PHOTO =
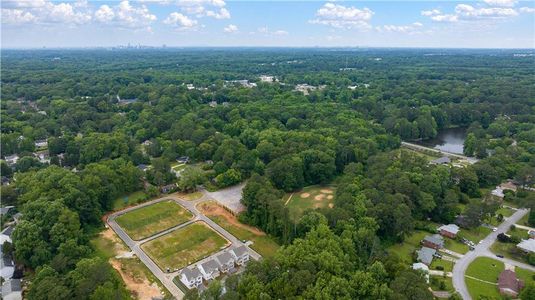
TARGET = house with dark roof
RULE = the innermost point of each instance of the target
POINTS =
(12, 289)
(434, 241)
(5, 236)
(166, 189)
(449, 230)
(241, 255)
(509, 284)
(210, 269)
(191, 278)
(226, 262)
(7, 267)
(425, 255)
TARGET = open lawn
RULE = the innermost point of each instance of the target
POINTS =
(506, 212)
(184, 246)
(310, 197)
(406, 249)
(128, 200)
(440, 283)
(508, 250)
(525, 275)
(149, 220)
(455, 246)
(487, 269)
(475, 234)
(190, 196)
(262, 243)
(446, 265)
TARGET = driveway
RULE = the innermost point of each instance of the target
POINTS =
(482, 249)
(167, 278)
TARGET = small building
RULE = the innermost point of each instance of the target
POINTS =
(190, 86)
(143, 167)
(41, 143)
(241, 255)
(425, 255)
(210, 269)
(12, 289)
(498, 192)
(422, 268)
(509, 284)
(434, 241)
(191, 278)
(226, 262)
(166, 189)
(212, 104)
(42, 156)
(4, 210)
(183, 159)
(449, 230)
(11, 159)
(444, 160)
(527, 246)
(5, 236)
(7, 267)
(531, 234)
(266, 78)
(5, 180)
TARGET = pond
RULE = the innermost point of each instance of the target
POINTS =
(449, 140)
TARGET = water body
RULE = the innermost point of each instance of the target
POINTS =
(449, 140)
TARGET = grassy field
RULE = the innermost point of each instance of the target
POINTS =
(184, 246)
(130, 199)
(486, 269)
(406, 249)
(455, 246)
(190, 196)
(525, 275)
(475, 234)
(446, 265)
(149, 220)
(506, 212)
(310, 197)
(436, 286)
(262, 243)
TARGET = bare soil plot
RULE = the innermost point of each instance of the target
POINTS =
(184, 246)
(149, 220)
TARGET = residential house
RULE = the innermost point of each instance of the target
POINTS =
(210, 269)
(422, 268)
(226, 262)
(7, 267)
(449, 230)
(42, 156)
(41, 143)
(166, 189)
(12, 289)
(266, 78)
(5, 236)
(527, 246)
(143, 167)
(5, 180)
(509, 284)
(11, 159)
(4, 210)
(183, 159)
(498, 192)
(190, 86)
(212, 104)
(434, 241)
(241, 255)
(425, 255)
(444, 160)
(191, 278)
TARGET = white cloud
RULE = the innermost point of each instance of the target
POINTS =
(204, 8)
(340, 16)
(126, 15)
(180, 21)
(231, 28)
(505, 3)
(222, 14)
(412, 28)
(445, 18)
(280, 32)
(45, 12)
(469, 11)
(429, 13)
(527, 10)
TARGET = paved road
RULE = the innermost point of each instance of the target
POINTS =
(471, 160)
(482, 249)
(167, 278)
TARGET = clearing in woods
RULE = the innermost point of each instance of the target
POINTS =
(149, 220)
(310, 197)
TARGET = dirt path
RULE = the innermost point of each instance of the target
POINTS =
(289, 198)
(142, 289)
(212, 209)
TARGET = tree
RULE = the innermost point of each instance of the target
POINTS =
(470, 144)
(228, 178)
(286, 173)
(528, 293)
(190, 177)
(410, 285)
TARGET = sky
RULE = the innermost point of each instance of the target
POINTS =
(222, 23)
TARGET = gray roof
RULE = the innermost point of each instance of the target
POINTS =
(527, 245)
(239, 251)
(225, 257)
(210, 265)
(436, 239)
(5, 210)
(10, 286)
(191, 273)
(450, 228)
(425, 255)
(442, 160)
(7, 262)
(8, 230)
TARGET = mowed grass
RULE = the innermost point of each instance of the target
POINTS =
(184, 246)
(310, 197)
(487, 269)
(149, 220)
(262, 243)
(406, 249)
(475, 234)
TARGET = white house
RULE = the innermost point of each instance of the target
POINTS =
(5, 236)
(226, 262)
(241, 255)
(11, 159)
(41, 143)
(423, 268)
(191, 278)
(209, 269)
(527, 245)
(12, 289)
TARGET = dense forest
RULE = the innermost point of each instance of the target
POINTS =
(105, 112)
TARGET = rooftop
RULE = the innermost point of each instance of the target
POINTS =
(425, 255)
(527, 245)
(450, 228)
(442, 160)
(224, 257)
(191, 273)
(436, 239)
(508, 280)
(239, 251)
(210, 265)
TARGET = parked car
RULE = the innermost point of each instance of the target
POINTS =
(499, 255)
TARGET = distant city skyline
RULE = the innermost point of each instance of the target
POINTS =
(219, 23)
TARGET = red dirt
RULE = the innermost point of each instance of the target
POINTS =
(212, 209)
